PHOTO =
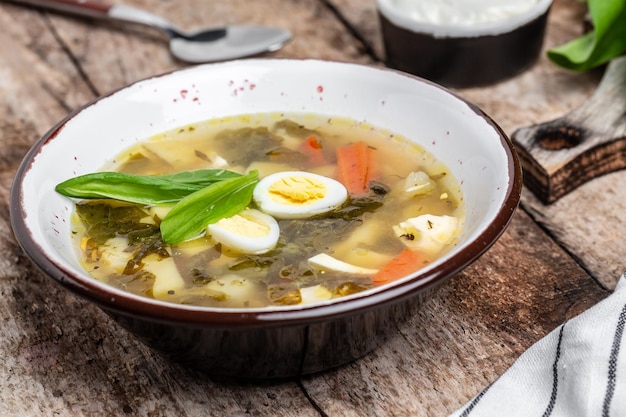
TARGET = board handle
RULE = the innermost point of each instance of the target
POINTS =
(560, 155)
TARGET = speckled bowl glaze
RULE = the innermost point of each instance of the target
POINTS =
(463, 56)
(269, 342)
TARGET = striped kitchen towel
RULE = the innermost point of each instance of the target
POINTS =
(579, 369)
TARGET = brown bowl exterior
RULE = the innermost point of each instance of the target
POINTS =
(277, 351)
(462, 62)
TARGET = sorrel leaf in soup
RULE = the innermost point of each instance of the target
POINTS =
(141, 189)
(194, 213)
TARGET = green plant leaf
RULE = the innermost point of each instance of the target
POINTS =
(191, 215)
(142, 189)
(605, 42)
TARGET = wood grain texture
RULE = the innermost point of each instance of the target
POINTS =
(62, 356)
(590, 141)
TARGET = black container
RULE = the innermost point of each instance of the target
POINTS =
(464, 60)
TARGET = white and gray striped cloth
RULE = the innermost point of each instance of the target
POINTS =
(579, 369)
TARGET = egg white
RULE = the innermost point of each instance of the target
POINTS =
(324, 262)
(273, 194)
(250, 232)
(429, 233)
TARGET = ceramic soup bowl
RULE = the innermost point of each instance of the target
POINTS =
(282, 341)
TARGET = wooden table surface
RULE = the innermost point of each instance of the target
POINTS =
(62, 356)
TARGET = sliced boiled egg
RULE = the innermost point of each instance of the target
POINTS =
(250, 232)
(428, 232)
(298, 194)
(324, 262)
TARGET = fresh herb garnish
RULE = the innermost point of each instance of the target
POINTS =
(191, 215)
(142, 189)
(606, 41)
(199, 197)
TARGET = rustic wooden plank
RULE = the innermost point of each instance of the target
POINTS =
(38, 84)
(62, 356)
(361, 17)
(590, 223)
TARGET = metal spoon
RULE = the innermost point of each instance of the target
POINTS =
(209, 45)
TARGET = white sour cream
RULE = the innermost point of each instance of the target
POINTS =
(462, 18)
(463, 12)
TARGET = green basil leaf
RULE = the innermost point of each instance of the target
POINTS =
(605, 42)
(194, 213)
(142, 189)
(201, 177)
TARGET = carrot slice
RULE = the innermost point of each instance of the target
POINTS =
(312, 148)
(354, 167)
(401, 265)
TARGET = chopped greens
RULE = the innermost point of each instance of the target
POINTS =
(228, 144)
(105, 222)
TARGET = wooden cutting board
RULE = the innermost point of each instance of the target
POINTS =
(590, 141)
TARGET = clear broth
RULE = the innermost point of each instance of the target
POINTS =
(218, 277)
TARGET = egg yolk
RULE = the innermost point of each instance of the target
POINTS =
(297, 190)
(245, 226)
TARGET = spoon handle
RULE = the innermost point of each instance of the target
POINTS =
(102, 10)
(90, 8)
